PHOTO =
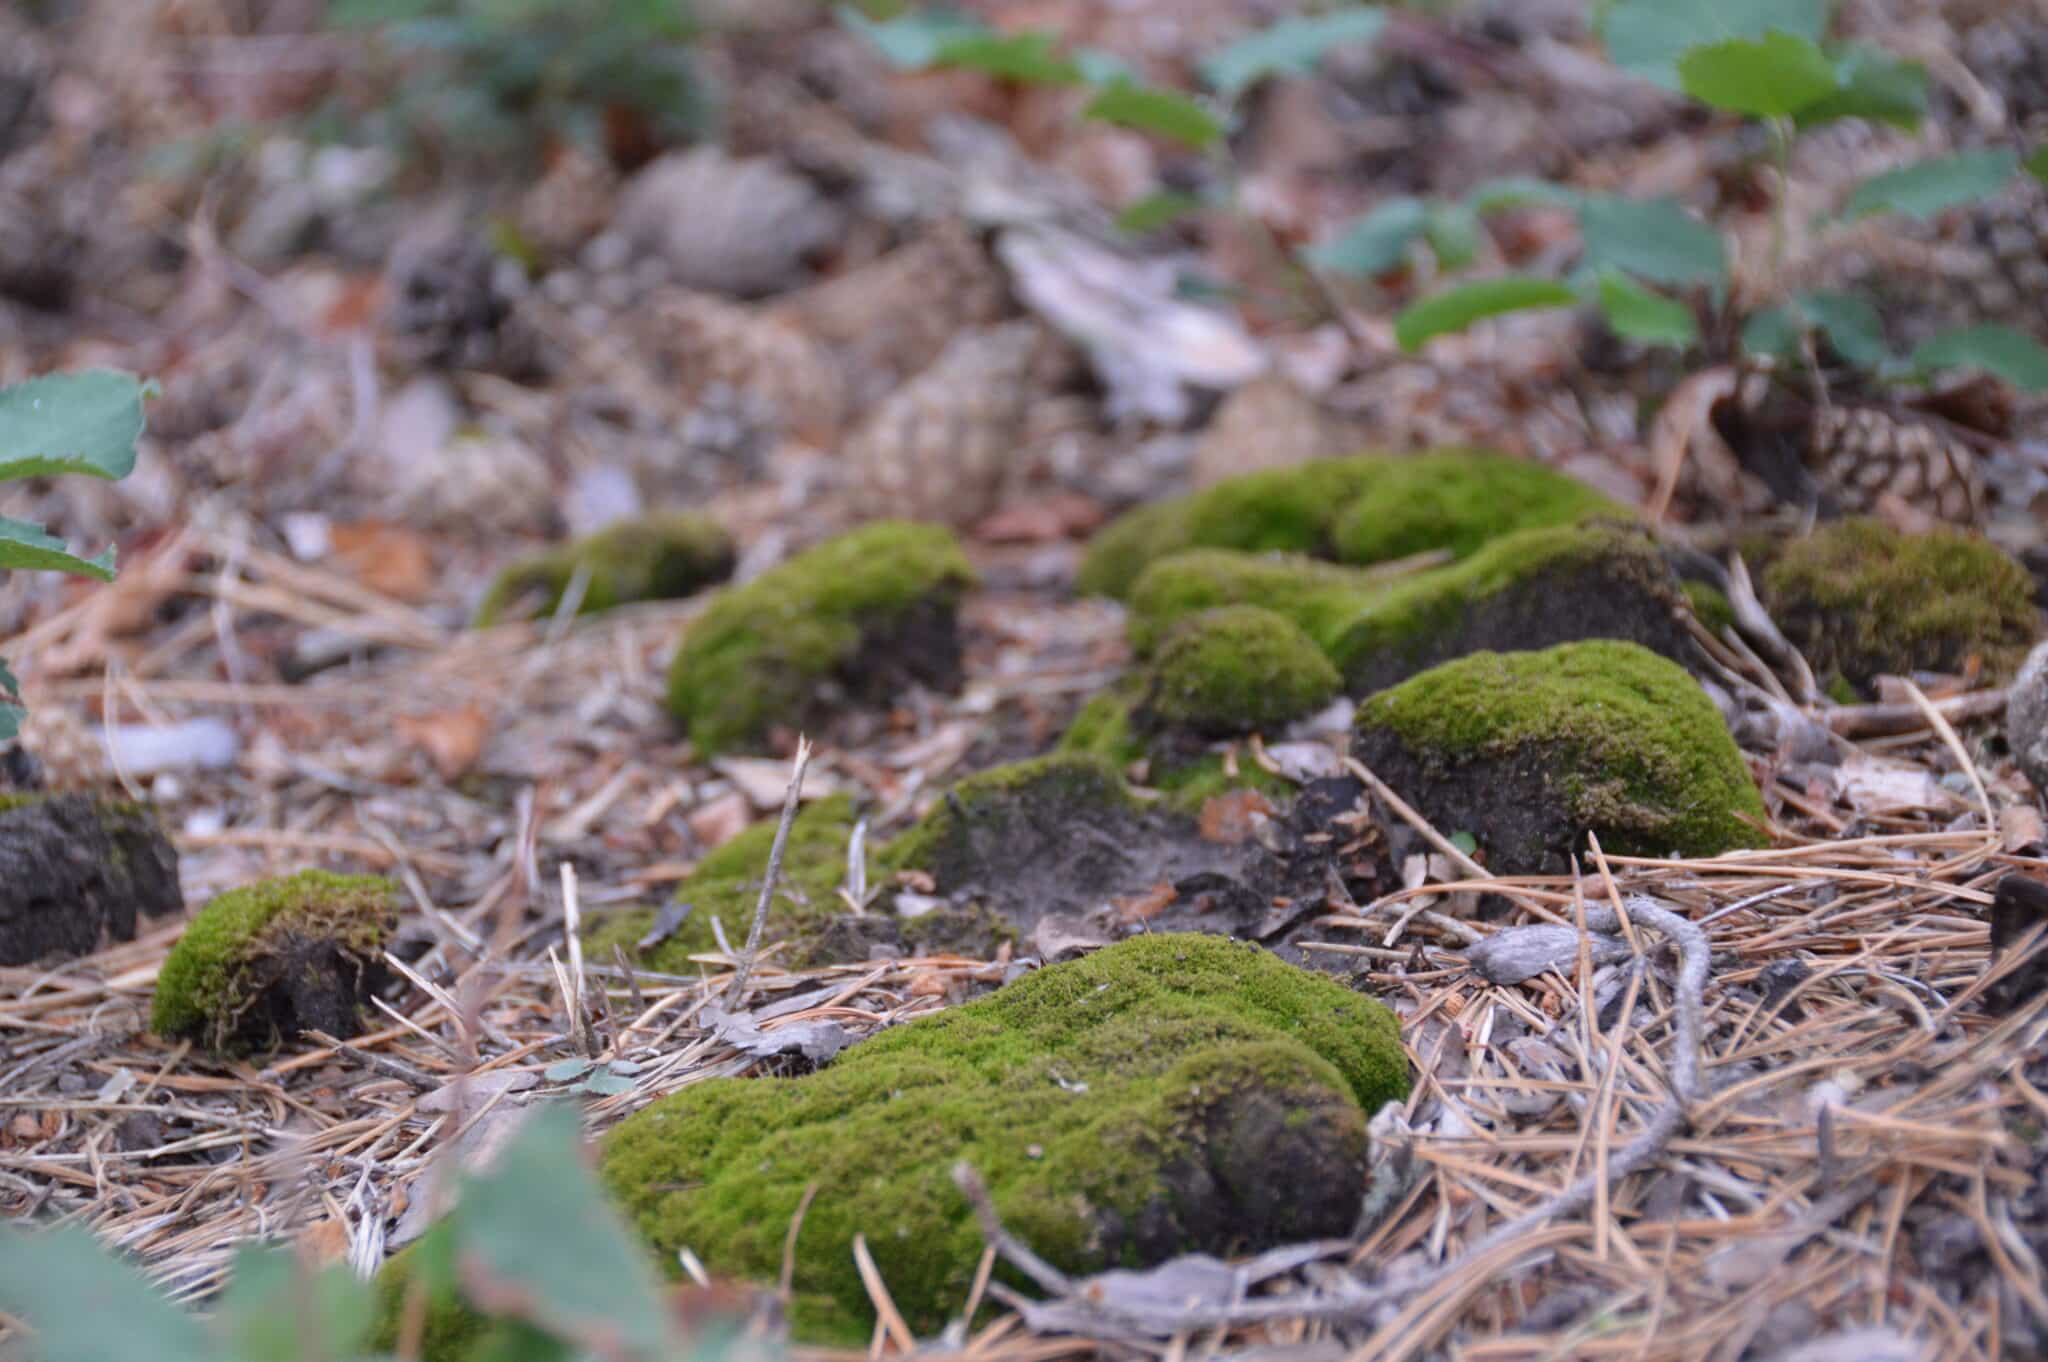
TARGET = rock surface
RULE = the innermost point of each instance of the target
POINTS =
(2026, 720)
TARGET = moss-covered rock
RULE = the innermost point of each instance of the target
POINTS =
(1012, 815)
(78, 872)
(1170, 1094)
(1528, 590)
(262, 963)
(1185, 768)
(727, 884)
(855, 619)
(660, 557)
(1321, 599)
(1363, 509)
(1460, 500)
(1861, 599)
(1237, 669)
(1529, 751)
(858, 619)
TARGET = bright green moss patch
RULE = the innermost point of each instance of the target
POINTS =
(1529, 751)
(727, 884)
(1319, 598)
(1168, 1094)
(1459, 499)
(260, 963)
(864, 615)
(661, 557)
(1530, 589)
(1122, 549)
(1237, 669)
(1860, 599)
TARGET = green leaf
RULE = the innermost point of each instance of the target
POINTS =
(1154, 211)
(86, 1305)
(1930, 187)
(11, 714)
(1376, 243)
(1457, 308)
(1641, 315)
(1848, 321)
(1454, 232)
(1774, 76)
(1289, 47)
(262, 1312)
(1516, 191)
(606, 1084)
(32, 548)
(1150, 109)
(537, 1239)
(2037, 164)
(1872, 84)
(71, 423)
(1654, 238)
(910, 41)
(1649, 37)
(2017, 358)
(562, 1070)
(1027, 58)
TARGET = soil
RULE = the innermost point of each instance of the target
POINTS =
(77, 873)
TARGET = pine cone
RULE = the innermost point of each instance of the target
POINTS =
(889, 320)
(703, 344)
(2009, 54)
(568, 205)
(454, 305)
(941, 446)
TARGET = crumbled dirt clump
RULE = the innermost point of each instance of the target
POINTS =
(77, 872)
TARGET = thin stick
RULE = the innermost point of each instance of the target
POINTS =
(1940, 724)
(738, 990)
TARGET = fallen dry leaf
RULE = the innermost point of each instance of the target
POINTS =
(723, 819)
(1149, 904)
(1041, 520)
(389, 559)
(1232, 818)
(451, 738)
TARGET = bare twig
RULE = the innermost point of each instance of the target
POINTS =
(737, 993)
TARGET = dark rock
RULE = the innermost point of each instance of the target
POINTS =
(2017, 907)
(77, 873)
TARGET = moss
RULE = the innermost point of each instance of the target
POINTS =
(1530, 589)
(727, 884)
(1710, 605)
(1459, 499)
(1619, 740)
(1122, 549)
(212, 978)
(660, 557)
(1320, 598)
(1237, 669)
(1080, 1093)
(1860, 599)
(1064, 785)
(762, 653)
(1188, 777)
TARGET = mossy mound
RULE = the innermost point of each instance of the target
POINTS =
(1527, 590)
(727, 884)
(857, 619)
(1363, 509)
(78, 872)
(1012, 813)
(1237, 669)
(1529, 751)
(1860, 599)
(662, 557)
(262, 963)
(1169, 1094)
(1459, 499)
(1321, 599)
(1182, 766)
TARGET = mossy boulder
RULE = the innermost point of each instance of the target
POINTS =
(1237, 669)
(856, 619)
(1320, 599)
(1527, 590)
(264, 962)
(726, 885)
(1527, 752)
(660, 557)
(1363, 509)
(1170, 1094)
(1861, 599)
(78, 872)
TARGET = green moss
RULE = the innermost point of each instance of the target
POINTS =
(660, 557)
(1121, 549)
(1187, 776)
(1623, 739)
(1860, 599)
(1459, 499)
(727, 884)
(1563, 577)
(1710, 604)
(1237, 669)
(1069, 1091)
(985, 804)
(761, 652)
(208, 980)
(1319, 598)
